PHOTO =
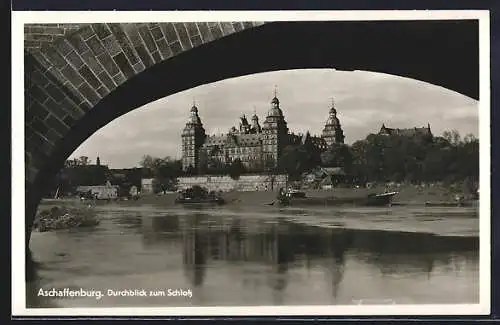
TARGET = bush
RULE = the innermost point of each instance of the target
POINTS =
(65, 218)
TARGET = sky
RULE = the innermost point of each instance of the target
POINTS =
(364, 100)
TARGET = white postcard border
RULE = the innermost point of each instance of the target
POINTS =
(19, 18)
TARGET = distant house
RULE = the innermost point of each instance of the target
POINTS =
(100, 192)
(133, 191)
(147, 185)
(326, 178)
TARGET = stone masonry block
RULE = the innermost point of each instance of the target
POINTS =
(124, 42)
(38, 78)
(139, 67)
(55, 109)
(108, 63)
(101, 30)
(78, 43)
(216, 31)
(54, 92)
(75, 60)
(131, 30)
(85, 106)
(156, 32)
(69, 121)
(111, 45)
(72, 108)
(53, 30)
(119, 79)
(38, 37)
(87, 74)
(238, 26)
(30, 44)
(103, 91)
(183, 36)
(72, 76)
(54, 57)
(41, 60)
(39, 111)
(38, 126)
(227, 28)
(156, 56)
(169, 32)
(206, 35)
(89, 93)
(196, 40)
(55, 76)
(92, 62)
(86, 32)
(124, 65)
(71, 93)
(63, 47)
(38, 93)
(164, 49)
(176, 48)
(144, 55)
(58, 126)
(147, 38)
(95, 45)
(52, 136)
(192, 29)
(106, 80)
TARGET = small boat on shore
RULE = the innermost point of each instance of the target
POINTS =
(197, 195)
(298, 198)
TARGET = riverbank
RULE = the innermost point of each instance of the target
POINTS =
(408, 195)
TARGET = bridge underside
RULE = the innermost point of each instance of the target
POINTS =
(444, 53)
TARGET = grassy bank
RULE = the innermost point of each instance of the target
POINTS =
(64, 216)
(407, 195)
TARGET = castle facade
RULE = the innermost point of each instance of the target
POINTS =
(258, 147)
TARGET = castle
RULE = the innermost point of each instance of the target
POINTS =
(258, 147)
(422, 132)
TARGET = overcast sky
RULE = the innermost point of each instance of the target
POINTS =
(364, 100)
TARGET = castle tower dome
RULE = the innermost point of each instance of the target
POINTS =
(255, 123)
(275, 109)
(332, 132)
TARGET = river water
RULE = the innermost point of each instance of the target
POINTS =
(217, 257)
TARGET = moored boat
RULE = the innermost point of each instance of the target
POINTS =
(297, 198)
(197, 195)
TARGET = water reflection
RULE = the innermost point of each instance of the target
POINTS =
(282, 245)
(240, 260)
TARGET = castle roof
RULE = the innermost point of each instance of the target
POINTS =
(245, 140)
(406, 132)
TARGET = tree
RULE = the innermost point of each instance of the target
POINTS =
(165, 171)
(296, 160)
(338, 155)
(236, 168)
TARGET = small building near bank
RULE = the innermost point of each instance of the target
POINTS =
(147, 185)
(133, 191)
(326, 177)
(99, 192)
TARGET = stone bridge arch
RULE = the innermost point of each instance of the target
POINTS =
(78, 78)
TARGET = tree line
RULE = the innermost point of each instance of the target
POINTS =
(449, 158)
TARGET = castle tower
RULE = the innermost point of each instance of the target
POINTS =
(255, 123)
(193, 137)
(275, 131)
(244, 126)
(332, 132)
